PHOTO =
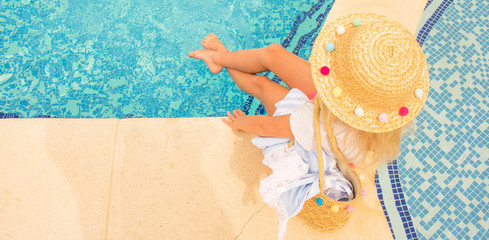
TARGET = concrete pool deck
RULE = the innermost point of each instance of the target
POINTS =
(145, 179)
(189, 178)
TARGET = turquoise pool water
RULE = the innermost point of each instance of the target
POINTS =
(120, 58)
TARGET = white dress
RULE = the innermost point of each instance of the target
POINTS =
(295, 174)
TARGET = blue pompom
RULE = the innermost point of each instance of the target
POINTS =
(319, 201)
(329, 47)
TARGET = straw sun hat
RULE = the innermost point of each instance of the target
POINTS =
(370, 72)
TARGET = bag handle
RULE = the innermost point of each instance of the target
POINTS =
(320, 111)
(319, 147)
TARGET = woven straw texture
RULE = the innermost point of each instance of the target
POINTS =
(378, 66)
(323, 218)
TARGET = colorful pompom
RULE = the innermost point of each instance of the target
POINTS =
(403, 111)
(319, 201)
(325, 70)
(335, 208)
(357, 23)
(330, 47)
(337, 91)
(340, 30)
(359, 111)
(418, 93)
(383, 117)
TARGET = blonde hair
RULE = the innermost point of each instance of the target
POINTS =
(385, 146)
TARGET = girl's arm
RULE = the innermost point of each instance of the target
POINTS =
(264, 126)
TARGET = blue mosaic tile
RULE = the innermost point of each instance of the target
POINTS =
(380, 195)
(400, 201)
(433, 18)
(444, 165)
(428, 3)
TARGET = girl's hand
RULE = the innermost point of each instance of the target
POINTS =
(264, 126)
(235, 121)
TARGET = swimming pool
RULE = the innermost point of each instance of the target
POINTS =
(123, 58)
(115, 59)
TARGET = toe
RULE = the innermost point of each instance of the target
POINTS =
(203, 43)
(195, 54)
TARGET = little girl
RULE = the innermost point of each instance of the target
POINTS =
(367, 77)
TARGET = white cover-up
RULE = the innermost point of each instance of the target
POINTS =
(295, 174)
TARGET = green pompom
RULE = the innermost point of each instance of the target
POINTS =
(357, 23)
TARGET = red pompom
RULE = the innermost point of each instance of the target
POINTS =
(325, 70)
(403, 111)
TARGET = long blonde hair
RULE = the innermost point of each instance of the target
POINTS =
(385, 146)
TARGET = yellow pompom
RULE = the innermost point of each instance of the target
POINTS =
(335, 208)
(337, 91)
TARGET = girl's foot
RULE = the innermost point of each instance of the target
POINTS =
(209, 57)
(211, 42)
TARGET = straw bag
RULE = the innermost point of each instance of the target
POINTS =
(322, 212)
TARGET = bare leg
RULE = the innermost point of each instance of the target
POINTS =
(267, 91)
(293, 70)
